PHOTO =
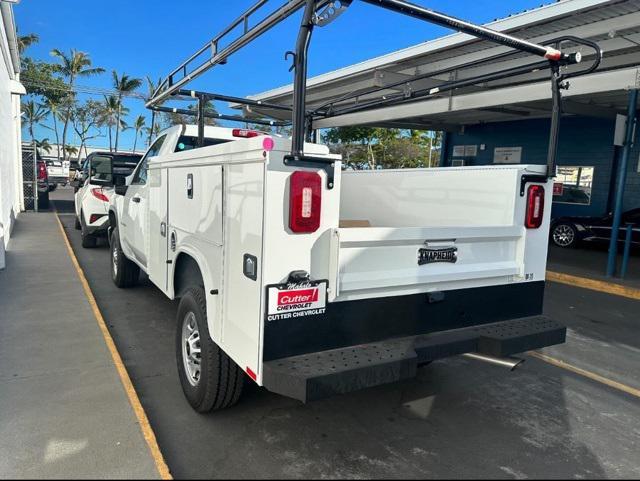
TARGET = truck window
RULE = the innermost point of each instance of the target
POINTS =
(189, 142)
(141, 173)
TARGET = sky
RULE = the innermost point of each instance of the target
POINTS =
(152, 37)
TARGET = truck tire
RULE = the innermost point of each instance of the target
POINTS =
(88, 240)
(210, 379)
(124, 273)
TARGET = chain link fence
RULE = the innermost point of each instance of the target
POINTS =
(29, 178)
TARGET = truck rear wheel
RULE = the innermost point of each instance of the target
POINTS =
(125, 273)
(210, 379)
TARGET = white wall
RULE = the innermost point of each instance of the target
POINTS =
(10, 194)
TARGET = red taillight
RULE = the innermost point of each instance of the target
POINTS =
(535, 207)
(244, 133)
(305, 201)
(42, 171)
(99, 194)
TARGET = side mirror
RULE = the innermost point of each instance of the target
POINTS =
(120, 185)
(101, 171)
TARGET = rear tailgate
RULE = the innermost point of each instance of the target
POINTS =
(448, 246)
(55, 168)
(383, 261)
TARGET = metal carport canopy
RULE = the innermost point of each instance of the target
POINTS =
(613, 24)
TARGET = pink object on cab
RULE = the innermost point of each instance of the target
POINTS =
(268, 144)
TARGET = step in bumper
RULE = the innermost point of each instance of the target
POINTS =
(318, 375)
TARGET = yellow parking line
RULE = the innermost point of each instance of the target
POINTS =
(143, 421)
(588, 374)
(594, 285)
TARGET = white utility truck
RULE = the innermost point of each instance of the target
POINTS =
(313, 280)
(313, 291)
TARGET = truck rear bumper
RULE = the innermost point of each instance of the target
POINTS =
(318, 375)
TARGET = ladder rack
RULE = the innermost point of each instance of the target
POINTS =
(318, 13)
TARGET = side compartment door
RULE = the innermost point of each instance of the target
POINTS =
(158, 238)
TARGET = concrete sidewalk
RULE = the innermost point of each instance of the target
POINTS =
(63, 410)
(590, 261)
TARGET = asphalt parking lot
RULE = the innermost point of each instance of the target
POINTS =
(457, 419)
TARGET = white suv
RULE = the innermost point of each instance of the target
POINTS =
(94, 191)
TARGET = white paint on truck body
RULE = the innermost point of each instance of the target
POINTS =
(237, 203)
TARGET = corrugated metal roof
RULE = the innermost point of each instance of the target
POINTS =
(545, 21)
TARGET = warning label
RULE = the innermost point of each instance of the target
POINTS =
(296, 300)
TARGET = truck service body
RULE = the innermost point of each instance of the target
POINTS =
(313, 280)
(402, 266)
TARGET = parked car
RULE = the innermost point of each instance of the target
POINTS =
(94, 189)
(570, 231)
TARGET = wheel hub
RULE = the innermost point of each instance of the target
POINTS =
(191, 349)
(563, 235)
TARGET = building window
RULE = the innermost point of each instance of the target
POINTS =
(573, 185)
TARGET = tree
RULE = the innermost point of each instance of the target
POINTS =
(152, 132)
(109, 113)
(73, 65)
(151, 88)
(372, 148)
(35, 114)
(70, 150)
(44, 145)
(172, 118)
(25, 41)
(39, 79)
(54, 106)
(124, 85)
(85, 118)
(138, 125)
(359, 155)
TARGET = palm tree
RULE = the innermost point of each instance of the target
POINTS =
(53, 105)
(35, 114)
(152, 132)
(71, 150)
(73, 65)
(108, 114)
(151, 88)
(124, 85)
(111, 111)
(138, 125)
(44, 145)
(25, 41)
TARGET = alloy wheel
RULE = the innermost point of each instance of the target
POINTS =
(191, 350)
(563, 235)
